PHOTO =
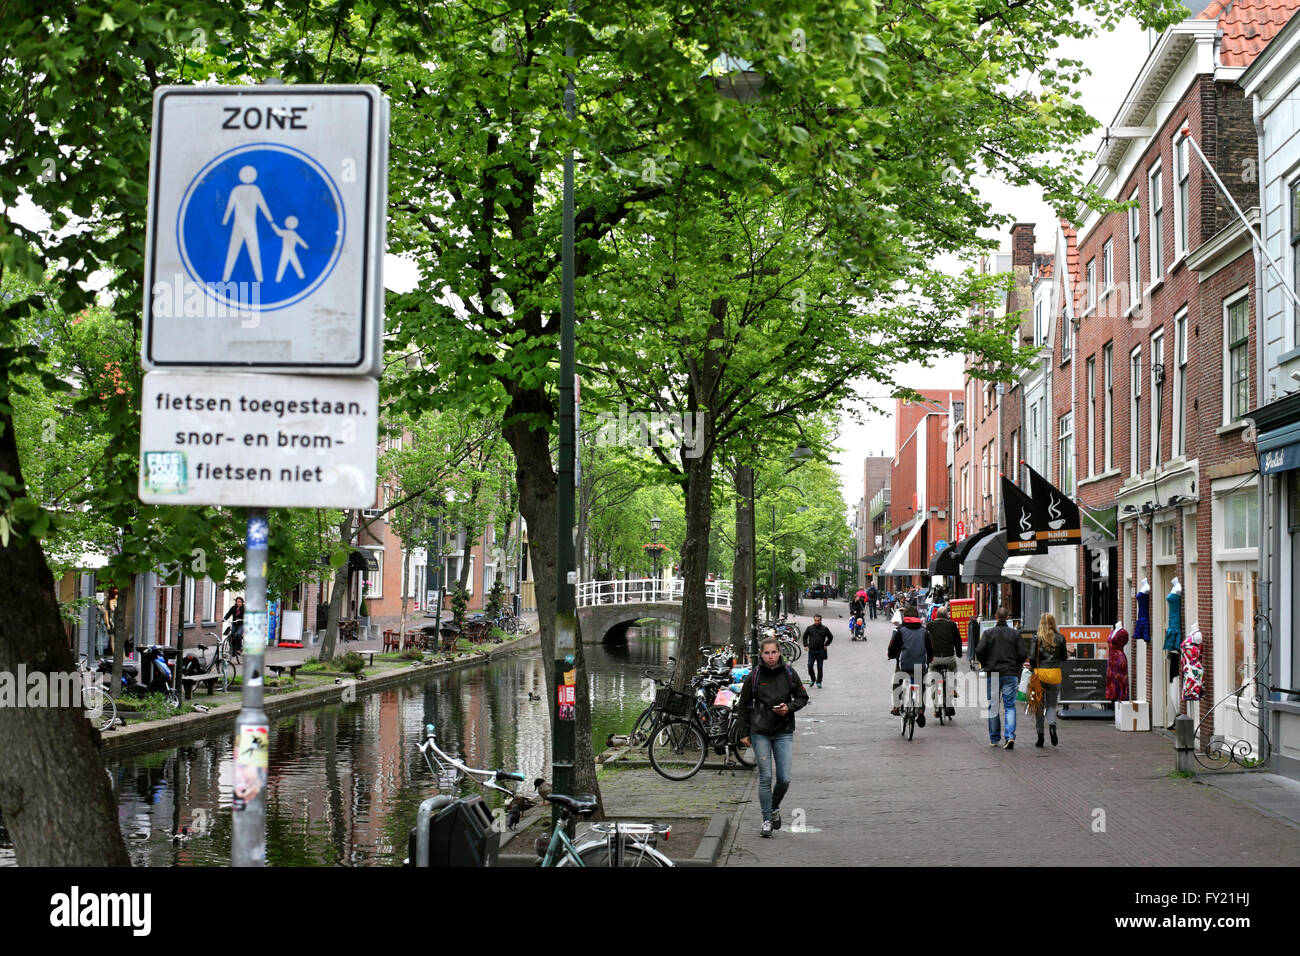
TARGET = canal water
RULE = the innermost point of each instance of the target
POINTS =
(346, 780)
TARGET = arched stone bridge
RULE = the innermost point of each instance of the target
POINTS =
(606, 609)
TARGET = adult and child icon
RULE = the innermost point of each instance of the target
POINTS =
(245, 202)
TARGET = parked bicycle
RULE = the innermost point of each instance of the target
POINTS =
(617, 844)
(99, 706)
(687, 725)
(219, 663)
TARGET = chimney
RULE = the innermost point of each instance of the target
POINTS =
(1022, 244)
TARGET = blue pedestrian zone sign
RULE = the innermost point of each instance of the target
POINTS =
(261, 227)
(267, 214)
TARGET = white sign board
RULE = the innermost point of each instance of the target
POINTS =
(265, 234)
(264, 441)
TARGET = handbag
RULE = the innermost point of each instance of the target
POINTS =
(1034, 704)
(1048, 675)
(1022, 691)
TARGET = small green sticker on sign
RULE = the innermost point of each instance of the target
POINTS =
(165, 472)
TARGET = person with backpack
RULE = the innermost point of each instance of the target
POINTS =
(912, 649)
(768, 700)
(873, 594)
(945, 639)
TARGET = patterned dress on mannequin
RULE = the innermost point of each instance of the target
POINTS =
(1117, 666)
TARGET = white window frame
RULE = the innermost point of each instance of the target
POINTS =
(1293, 195)
(1135, 411)
(1228, 303)
(1090, 274)
(1108, 403)
(1157, 391)
(1091, 434)
(1038, 324)
(209, 601)
(1108, 264)
(1178, 443)
(1182, 193)
(187, 600)
(1065, 452)
(1155, 215)
(376, 578)
(1134, 251)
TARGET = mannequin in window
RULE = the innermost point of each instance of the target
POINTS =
(1142, 626)
(1173, 642)
(1117, 664)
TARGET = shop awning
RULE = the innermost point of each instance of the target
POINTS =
(984, 561)
(1278, 425)
(1058, 568)
(888, 558)
(898, 556)
(362, 560)
(965, 544)
(945, 562)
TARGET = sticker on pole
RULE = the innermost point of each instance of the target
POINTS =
(255, 630)
(252, 753)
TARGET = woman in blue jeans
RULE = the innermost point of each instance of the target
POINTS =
(771, 695)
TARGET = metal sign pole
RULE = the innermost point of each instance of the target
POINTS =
(252, 732)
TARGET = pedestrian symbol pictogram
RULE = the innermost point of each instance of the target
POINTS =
(260, 227)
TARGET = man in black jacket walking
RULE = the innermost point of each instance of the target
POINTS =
(816, 638)
(1002, 651)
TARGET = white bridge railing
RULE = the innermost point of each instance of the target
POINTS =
(648, 591)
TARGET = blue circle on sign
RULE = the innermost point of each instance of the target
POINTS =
(261, 227)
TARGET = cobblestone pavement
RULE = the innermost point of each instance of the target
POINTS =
(865, 795)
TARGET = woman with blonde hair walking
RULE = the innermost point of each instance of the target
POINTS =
(1046, 656)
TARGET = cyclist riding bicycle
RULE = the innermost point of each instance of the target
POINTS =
(911, 648)
(945, 638)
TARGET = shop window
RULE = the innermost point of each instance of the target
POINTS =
(1241, 519)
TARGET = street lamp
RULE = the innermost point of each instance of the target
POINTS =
(775, 597)
(655, 525)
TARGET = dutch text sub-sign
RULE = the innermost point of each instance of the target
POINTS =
(266, 229)
(271, 441)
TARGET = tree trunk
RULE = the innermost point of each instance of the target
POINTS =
(339, 592)
(55, 796)
(535, 476)
(742, 570)
(705, 373)
(126, 591)
(466, 554)
(406, 576)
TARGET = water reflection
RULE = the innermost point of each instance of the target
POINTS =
(346, 780)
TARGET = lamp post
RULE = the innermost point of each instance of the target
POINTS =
(775, 597)
(655, 525)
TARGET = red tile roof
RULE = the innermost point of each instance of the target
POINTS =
(1247, 26)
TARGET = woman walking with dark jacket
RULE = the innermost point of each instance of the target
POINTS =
(768, 700)
(1046, 656)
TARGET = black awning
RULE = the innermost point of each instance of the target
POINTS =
(984, 561)
(965, 544)
(945, 562)
(363, 560)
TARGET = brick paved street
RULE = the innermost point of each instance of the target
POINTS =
(866, 796)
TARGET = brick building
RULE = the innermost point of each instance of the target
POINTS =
(1154, 358)
(875, 482)
(919, 501)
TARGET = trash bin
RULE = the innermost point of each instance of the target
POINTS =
(460, 833)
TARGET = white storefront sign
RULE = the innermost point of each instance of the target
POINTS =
(254, 440)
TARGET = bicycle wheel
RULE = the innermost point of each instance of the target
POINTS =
(640, 735)
(101, 709)
(744, 755)
(911, 724)
(790, 650)
(227, 672)
(634, 854)
(677, 750)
